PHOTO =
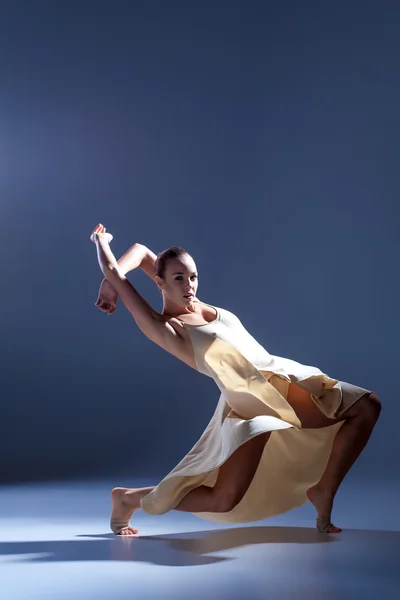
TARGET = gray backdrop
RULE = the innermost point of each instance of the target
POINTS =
(261, 136)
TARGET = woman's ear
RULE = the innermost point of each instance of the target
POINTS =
(159, 281)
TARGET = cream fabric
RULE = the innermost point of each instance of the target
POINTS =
(253, 386)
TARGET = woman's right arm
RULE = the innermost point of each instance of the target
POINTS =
(163, 331)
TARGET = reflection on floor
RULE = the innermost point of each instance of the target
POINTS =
(55, 545)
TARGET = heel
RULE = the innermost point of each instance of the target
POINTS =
(324, 525)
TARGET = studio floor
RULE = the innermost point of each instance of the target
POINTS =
(55, 544)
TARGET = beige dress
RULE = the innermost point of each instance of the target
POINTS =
(253, 386)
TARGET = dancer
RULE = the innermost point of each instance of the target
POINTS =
(282, 433)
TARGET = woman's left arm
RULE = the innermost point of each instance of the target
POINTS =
(138, 256)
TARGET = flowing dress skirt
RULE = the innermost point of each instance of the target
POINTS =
(253, 401)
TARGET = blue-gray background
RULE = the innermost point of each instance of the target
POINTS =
(261, 136)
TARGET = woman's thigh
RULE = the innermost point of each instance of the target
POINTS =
(307, 411)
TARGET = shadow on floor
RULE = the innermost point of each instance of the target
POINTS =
(192, 548)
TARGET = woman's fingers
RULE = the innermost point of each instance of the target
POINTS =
(98, 229)
(105, 306)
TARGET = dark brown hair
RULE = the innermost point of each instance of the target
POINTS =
(164, 256)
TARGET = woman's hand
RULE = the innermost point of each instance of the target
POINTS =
(98, 231)
(108, 297)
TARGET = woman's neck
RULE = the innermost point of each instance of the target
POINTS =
(175, 311)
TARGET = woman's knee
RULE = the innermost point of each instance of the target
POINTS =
(226, 500)
(370, 406)
(375, 404)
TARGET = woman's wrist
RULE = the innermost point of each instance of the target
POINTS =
(105, 255)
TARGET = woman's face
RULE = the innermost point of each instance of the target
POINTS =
(180, 280)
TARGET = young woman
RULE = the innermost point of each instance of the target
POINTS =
(282, 433)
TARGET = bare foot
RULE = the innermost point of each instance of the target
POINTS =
(323, 502)
(124, 502)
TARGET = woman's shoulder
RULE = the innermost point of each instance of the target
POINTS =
(167, 319)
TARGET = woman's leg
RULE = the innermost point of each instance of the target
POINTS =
(359, 422)
(236, 474)
(234, 478)
(350, 440)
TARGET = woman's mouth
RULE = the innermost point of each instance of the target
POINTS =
(188, 296)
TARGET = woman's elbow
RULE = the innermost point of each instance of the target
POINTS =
(113, 273)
